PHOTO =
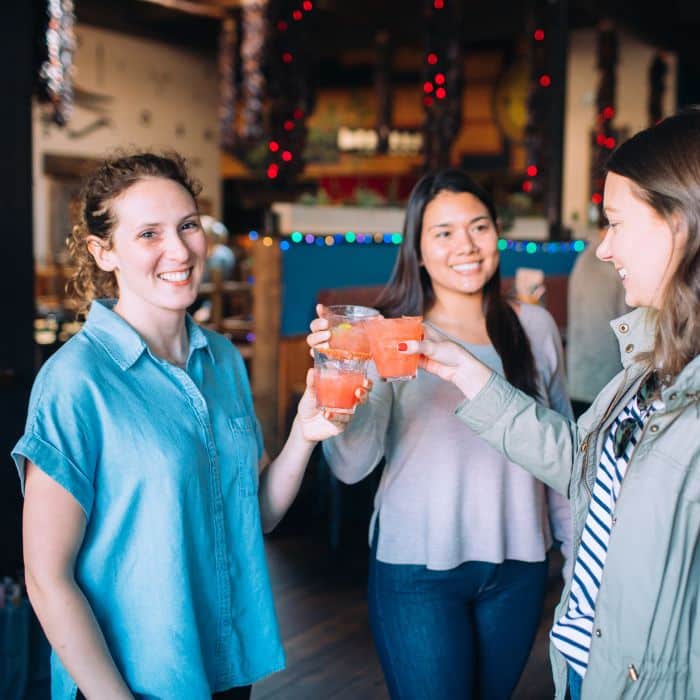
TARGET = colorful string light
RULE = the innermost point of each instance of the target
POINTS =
(327, 240)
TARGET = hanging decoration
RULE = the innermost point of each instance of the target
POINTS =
(56, 70)
(657, 87)
(227, 84)
(291, 89)
(254, 22)
(605, 137)
(538, 107)
(442, 80)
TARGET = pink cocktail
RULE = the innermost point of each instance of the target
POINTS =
(337, 375)
(385, 334)
(347, 325)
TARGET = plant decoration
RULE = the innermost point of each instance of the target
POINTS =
(442, 80)
(290, 61)
(538, 106)
(56, 65)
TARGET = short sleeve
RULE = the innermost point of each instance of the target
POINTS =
(57, 437)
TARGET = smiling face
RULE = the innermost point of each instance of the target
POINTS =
(158, 249)
(640, 243)
(458, 243)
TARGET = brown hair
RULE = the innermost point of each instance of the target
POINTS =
(410, 290)
(96, 218)
(663, 162)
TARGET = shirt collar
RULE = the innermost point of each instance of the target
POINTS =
(122, 342)
(635, 334)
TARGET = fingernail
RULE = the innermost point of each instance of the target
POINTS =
(403, 346)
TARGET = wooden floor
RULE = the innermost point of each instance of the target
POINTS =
(322, 609)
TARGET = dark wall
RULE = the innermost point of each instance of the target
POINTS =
(16, 280)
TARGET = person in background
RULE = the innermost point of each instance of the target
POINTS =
(459, 534)
(146, 486)
(595, 298)
(628, 624)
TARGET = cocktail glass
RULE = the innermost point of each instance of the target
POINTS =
(347, 325)
(385, 334)
(337, 374)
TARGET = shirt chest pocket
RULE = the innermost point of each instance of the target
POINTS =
(245, 442)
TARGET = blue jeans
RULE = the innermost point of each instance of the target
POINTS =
(575, 682)
(463, 633)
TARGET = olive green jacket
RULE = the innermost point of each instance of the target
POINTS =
(646, 641)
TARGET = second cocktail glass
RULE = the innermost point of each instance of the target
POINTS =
(385, 334)
(337, 374)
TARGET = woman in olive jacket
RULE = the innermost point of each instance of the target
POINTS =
(628, 624)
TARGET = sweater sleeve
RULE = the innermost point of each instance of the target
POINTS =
(353, 454)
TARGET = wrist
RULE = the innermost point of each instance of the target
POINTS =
(472, 378)
(299, 433)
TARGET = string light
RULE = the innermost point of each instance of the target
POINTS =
(327, 240)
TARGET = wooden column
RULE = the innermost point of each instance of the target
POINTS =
(266, 319)
(17, 279)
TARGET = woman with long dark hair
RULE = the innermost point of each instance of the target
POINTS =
(628, 624)
(459, 534)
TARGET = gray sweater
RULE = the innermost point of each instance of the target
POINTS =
(445, 496)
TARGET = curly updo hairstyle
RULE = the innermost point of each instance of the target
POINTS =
(96, 217)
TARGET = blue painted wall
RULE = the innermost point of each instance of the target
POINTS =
(307, 269)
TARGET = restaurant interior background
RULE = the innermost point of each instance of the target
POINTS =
(308, 122)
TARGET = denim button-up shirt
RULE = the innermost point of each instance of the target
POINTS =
(164, 463)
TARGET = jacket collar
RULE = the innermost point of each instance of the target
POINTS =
(122, 342)
(635, 334)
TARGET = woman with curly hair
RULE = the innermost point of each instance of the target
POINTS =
(147, 489)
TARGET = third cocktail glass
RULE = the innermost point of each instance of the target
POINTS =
(385, 334)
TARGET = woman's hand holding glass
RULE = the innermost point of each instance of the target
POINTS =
(324, 419)
(449, 361)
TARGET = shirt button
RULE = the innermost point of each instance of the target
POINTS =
(584, 445)
(614, 520)
(654, 428)
(623, 328)
(629, 348)
(673, 396)
(598, 633)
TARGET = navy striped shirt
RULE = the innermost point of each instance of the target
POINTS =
(572, 633)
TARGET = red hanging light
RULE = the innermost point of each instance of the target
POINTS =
(545, 81)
